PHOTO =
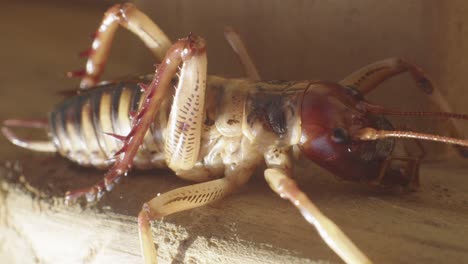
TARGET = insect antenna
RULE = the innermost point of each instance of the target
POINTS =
(376, 109)
(368, 133)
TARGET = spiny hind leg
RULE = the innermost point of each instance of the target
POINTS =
(183, 51)
(236, 43)
(129, 17)
(35, 145)
(185, 123)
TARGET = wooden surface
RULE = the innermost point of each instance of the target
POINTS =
(252, 226)
(303, 40)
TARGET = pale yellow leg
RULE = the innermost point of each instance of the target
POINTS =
(174, 201)
(129, 17)
(185, 123)
(329, 231)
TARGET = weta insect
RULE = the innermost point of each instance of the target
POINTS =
(209, 127)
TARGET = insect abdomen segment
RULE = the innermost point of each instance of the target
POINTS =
(82, 126)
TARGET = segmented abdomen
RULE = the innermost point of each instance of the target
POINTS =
(78, 126)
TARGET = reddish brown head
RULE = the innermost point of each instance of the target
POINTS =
(350, 137)
(329, 117)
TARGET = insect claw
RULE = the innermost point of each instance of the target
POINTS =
(77, 74)
(109, 187)
(69, 199)
(90, 196)
(100, 194)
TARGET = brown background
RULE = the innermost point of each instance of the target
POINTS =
(287, 40)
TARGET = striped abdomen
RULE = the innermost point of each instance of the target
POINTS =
(78, 126)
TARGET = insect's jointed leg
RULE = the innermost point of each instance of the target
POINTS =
(369, 77)
(129, 17)
(278, 177)
(184, 128)
(175, 201)
(182, 51)
(410, 167)
(329, 231)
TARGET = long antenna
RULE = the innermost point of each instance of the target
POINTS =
(376, 109)
(373, 134)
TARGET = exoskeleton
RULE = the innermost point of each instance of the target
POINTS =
(215, 131)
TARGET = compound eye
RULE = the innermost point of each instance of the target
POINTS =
(340, 135)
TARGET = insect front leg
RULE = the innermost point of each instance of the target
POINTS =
(278, 177)
(182, 51)
(129, 17)
(409, 165)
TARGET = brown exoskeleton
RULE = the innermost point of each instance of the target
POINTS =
(210, 127)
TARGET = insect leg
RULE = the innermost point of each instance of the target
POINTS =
(411, 171)
(42, 146)
(129, 17)
(370, 76)
(156, 92)
(409, 168)
(177, 200)
(414, 162)
(236, 43)
(185, 123)
(278, 177)
(286, 187)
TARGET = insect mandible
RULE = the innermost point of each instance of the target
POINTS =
(210, 127)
